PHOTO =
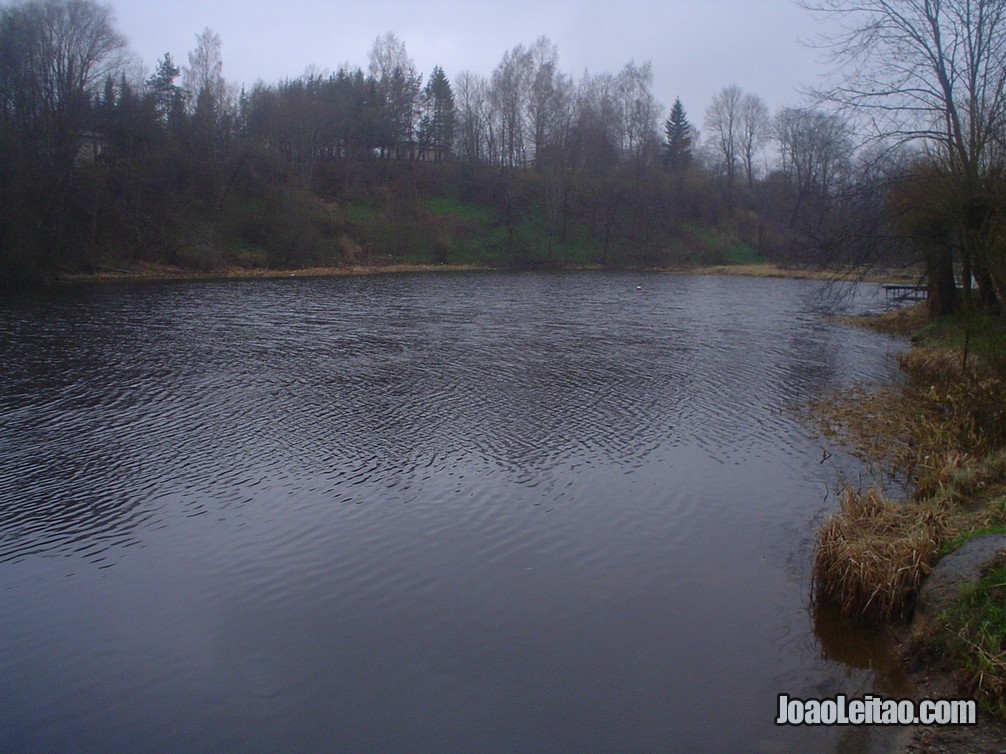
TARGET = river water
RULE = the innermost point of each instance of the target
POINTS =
(481, 512)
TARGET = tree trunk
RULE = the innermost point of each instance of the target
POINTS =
(941, 285)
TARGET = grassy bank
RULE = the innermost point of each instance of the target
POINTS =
(943, 434)
(367, 214)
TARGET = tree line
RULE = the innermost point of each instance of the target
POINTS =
(900, 160)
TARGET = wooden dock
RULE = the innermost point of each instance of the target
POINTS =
(904, 292)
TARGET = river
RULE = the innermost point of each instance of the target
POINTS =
(467, 512)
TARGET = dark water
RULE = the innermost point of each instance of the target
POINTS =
(471, 513)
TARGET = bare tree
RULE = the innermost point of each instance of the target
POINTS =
(203, 77)
(471, 96)
(53, 57)
(814, 152)
(548, 97)
(388, 53)
(755, 128)
(597, 125)
(932, 71)
(511, 85)
(723, 125)
(640, 113)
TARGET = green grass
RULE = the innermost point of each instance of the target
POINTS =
(961, 479)
(443, 206)
(449, 229)
(361, 213)
(959, 541)
(488, 247)
(715, 246)
(981, 336)
(976, 638)
(740, 252)
(951, 331)
(488, 241)
(577, 249)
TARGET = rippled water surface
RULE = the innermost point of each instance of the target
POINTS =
(466, 512)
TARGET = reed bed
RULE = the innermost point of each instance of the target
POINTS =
(874, 553)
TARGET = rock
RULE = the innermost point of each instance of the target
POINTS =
(942, 587)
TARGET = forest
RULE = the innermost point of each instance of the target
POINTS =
(899, 163)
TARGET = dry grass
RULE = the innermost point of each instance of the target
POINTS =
(946, 432)
(904, 320)
(872, 556)
(941, 422)
(850, 274)
(877, 423)
(944, 435)
(932, 366)
(147, 271)
(962, 412)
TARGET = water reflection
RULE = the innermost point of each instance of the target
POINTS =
(857, 646)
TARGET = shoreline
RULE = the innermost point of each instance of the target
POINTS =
(950, 481)
(157, 272)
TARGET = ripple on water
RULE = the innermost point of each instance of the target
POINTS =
(400, 498)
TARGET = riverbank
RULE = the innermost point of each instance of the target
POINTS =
(150, 272)
(943, 435)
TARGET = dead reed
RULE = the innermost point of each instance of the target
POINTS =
(873, 554)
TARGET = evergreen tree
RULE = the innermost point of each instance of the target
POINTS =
(162, 87)
(438, 122)
(678, 139)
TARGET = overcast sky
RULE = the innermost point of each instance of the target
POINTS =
(696, 47)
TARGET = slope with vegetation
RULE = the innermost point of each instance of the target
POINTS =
(526, 167)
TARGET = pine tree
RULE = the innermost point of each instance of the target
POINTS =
(678, 139)
(161, 86)
(439, 119)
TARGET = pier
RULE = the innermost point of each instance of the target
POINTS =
(905, 292)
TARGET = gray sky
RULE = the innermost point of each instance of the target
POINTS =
(696, 46)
